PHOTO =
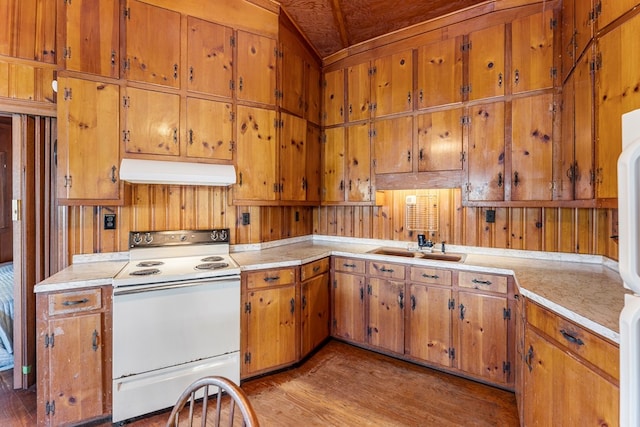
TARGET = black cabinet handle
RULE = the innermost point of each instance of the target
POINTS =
(462, 310)
(293, 305)
(528, 358)
(413, 302)
(430, 276)
(271, 279)
(386, 270)
(571, 338)
(94, 340)
(75, 302)
(481, 282)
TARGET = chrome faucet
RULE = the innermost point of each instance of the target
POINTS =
(424, 243)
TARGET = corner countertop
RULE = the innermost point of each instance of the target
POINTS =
(584, 288)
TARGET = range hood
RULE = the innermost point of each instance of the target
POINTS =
(139, 171)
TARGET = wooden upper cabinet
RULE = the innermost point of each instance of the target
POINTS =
(392, 84)
(28, 29)
(440, 73)
(487, 62)
(583, 173)
(358, 92)
(91, 42)
(209, 58)
(209, 129)
(256, 79)
(313, 94)
(313, 165)
(486, 152)
(152, 122)
(607, 11)
(150, 58)
(292, 82)
(532, 148)
(440, 141)
(358, 185)
(532, 52)
(583, 25)
(88, 141)
(333, 165)
(616, 93)
(393, 145)
(333, 98)
(293, 155)
(577, 31)
(256, 154)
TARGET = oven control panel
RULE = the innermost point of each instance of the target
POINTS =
(147, 239)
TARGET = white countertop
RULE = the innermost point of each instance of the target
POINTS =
(586, 289)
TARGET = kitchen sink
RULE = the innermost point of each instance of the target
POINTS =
(437, 256)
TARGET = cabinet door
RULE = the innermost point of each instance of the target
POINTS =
(256, 154)
(209, 133)
(92, 38)
(440, 141)
(532, 148)
(440, 73)
(292, 82)
(583, 173)
(313, 95)
(486, 62)
(609, 10)
(615, 78)
(392, 84)
(333, 165)
(358, 163)
(313, 169)
(358, 92)
(560, 390)
(209, 57)
(314, 312)
(564, 159)
(532, 52)
(568, 34)
(386, 314)
(293, 154)
(348, 307)
(152, 122)
(271, 329)
(486, 152)
(88, 140)
(583, 25)
(256, 68)
(482, 334)
(333, 98)
(392, 145)
(75, 368)
(429, 324)
(150, 58)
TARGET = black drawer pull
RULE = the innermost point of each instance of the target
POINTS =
(75, 302)
(528, 358)
(569, 337)
(271, 278)
(386, 270)
(349, 265)
(94, 340)
(481, 282)
(316, 268)
(430, 276)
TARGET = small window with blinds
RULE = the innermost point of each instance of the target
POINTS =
(422, 212)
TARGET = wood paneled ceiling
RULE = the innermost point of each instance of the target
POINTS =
(333, 25)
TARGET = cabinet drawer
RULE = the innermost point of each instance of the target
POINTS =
(484, 282)
(273, 277)
(580, 341)
(349, 265)
(385, 269)
(433, 276)
(307, 271)
(72, 302)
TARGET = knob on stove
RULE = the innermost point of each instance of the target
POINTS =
(137, 238)
(214, 235)
(148, 238)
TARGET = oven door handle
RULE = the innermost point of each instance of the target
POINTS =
(138, 289)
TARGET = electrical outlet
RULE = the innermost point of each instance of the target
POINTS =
(109, 221)
(246, 218)
(490, 215)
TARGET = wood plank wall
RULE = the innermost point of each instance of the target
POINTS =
(159, 207)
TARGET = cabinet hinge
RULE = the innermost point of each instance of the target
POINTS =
(68, 180)
(247, 358)
(323, 138)
(597, 10)
(66, 52)
(596, 63)
(465, 89)
(467, 187)
(452, 353)
(464, 47)
(335, 284)
(553, 23)
(49, 339)
(506, 313)
(232, 116)
(553, 72)
(368, 330)
(126, 101)
(247, 307)
(68, 93)
(232, 41)
(232, 85)
(372, 133)
(127, 12)
(50, 407)
(278, 94)
(463, 156)
(372, 71)
(232, 146)
(451, 304)
(465, 120)
(125, 64)
(506, 368)
(125, 136)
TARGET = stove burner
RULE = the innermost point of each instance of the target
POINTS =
(212, 258)
(145, 272)
(149, 263)
(211, 265)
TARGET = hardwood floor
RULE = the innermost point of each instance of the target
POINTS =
(341, 385)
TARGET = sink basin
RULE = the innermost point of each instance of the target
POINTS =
(437, 256)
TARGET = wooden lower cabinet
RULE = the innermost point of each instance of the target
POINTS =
(348, 291)
(268, 321)
(73, 356)
(315, 305)
(562, 385)
(385, 327)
